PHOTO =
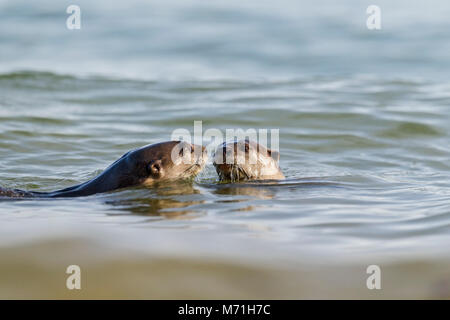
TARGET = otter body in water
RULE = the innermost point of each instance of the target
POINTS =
(246, 160)
(161, 161)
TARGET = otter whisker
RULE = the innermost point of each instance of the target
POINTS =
(244, 172)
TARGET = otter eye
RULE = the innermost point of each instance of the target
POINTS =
(246, 148)
(154, 167)
(182, 152)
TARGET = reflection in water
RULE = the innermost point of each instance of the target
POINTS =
(168, 199)
(268, 189)
(256, 191)
(174, 199)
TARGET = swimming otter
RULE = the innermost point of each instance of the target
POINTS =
(246, 160)
(143, 166)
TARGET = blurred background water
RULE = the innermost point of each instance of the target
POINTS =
(364, 139)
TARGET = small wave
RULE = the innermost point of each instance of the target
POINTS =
(33, 75)
(408, 129)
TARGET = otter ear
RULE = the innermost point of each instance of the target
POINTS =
(274, 154)
(155, 168)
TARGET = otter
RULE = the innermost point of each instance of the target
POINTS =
(246, 160)
(143, 166)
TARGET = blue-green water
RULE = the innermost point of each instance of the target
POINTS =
(364, 140)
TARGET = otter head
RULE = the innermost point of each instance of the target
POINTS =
(246, 160)
(166, 161)
(161, 161)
